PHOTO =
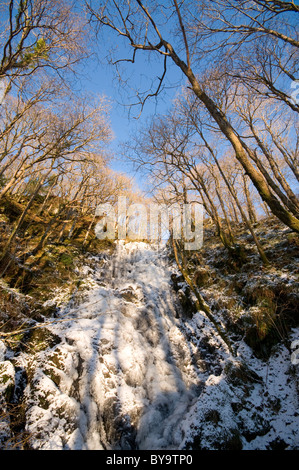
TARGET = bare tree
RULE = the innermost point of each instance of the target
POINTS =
(18, 224)
(142, 27)
(264, 125)
(166, 153)
(78, 133)
(40, 34)
(255, 43)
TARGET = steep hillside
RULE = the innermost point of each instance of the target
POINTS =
(119, 357)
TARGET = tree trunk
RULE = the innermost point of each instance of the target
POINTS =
(21, 219)
(244, 217)
(200, 304)
(250, 208)
(89, 229)
(256, 177)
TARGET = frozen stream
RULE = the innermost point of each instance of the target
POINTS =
(128, 370)
(124, 369)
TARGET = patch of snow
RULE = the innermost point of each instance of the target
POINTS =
(128, 373)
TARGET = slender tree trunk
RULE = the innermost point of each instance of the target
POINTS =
(200, 186)
(290, 161)
(71, 230)
(21, 219)
(200, 304)
(266, 209)
(233, 210)
(226, 218)
(7, 187)
(228, 131)
(250, 208)
(244, 217)
(47, 196)
(289, 199)
(89, 229)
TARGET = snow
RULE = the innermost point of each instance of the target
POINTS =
(2, 351)
(129, 372)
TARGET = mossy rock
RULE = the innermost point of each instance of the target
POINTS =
(202, 276)
(67, 260)
(42, 388)
(48, 310)
(239, 375)
(34, 230)
(11, 208)
(263, 296)
(273, 311)
(53, 374)
(4, 219)
(46, 261)
(129, 295)
(40, 339)
(44, 399)
(233, 260)
(293, 239)
(7, 380)
(261, 346)
(68, 413)
(55, 364)
(16, 342)
(57, 358)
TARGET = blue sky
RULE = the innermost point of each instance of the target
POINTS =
(100, 78)
(97, 76)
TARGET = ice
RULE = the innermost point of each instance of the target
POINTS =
(128, 372)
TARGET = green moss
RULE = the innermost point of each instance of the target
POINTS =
(40, 339)
(53, 375)
(293, 239)
(16, 341)
(9, 392)
(57, 358)
(4, 219)
(44, 400)
(7, 380)
(34, 230)
(201, 276)
(67, 259)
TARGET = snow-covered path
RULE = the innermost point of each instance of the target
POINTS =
(128, 369)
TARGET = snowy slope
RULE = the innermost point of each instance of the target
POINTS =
(126, 354)
(126, 370)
